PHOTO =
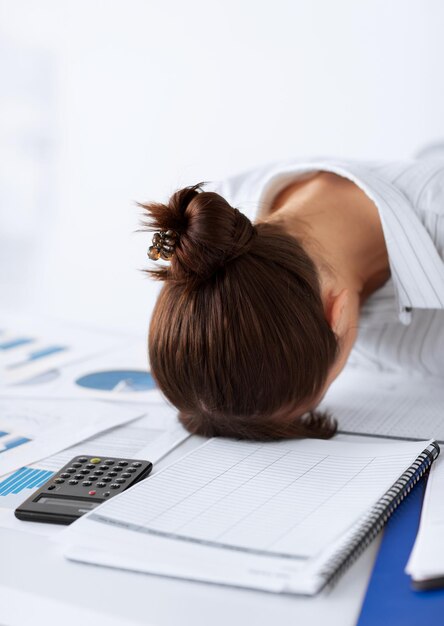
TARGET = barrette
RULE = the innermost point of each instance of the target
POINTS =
(163, 245)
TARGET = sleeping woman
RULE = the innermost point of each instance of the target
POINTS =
(275, 278)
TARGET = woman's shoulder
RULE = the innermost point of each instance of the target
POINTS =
(420, 179)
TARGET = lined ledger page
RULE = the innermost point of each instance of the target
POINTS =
(387, 405)
(287, 499)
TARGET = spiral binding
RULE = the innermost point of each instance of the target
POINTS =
(379, 515)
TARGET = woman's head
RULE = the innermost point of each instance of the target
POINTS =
(238, 340)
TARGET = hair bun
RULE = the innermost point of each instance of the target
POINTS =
(244, 232)
(210, 232)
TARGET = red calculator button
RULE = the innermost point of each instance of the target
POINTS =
(91, 493)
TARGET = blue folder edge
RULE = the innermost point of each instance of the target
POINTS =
(390, 598)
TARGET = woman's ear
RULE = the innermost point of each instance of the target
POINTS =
(337, 311)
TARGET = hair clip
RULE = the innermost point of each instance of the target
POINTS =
(163, 245)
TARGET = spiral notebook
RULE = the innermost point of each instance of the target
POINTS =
(286, 517)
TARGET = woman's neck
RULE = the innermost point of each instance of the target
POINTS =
(339, 227)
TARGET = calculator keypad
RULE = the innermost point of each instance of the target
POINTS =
(95, 476)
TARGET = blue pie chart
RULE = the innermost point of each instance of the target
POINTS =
(118, 380)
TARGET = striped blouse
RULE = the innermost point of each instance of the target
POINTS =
(402, 323)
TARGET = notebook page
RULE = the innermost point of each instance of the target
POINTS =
(287, 499)
(387, 405)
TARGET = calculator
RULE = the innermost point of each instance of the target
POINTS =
(80, 486)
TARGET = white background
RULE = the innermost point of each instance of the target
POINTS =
(103, 103)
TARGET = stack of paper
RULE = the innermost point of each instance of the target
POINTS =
(59, 388)
(274, 516)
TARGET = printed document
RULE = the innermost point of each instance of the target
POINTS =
(34, 429)
(387, 405)
(31, 347)
(121, 374)
(149, 437)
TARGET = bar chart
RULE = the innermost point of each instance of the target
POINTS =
(11, 440)
(23, 478)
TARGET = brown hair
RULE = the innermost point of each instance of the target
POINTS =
(238, 339)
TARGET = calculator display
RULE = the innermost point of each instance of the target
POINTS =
(75, 503)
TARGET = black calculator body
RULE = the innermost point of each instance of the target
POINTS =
(80, 486)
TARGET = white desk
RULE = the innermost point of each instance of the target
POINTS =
(91, 595)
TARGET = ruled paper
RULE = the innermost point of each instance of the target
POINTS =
(285, 499)
(387, 405)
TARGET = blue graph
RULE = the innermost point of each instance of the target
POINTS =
(24, 478)
(38, 354)
(11, 442)
(118, 380)
(15, 343)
